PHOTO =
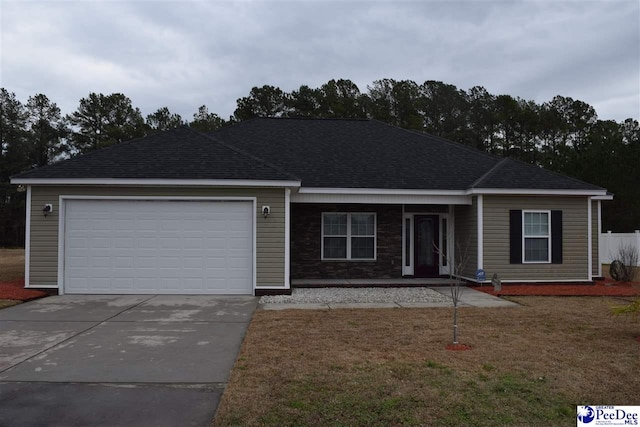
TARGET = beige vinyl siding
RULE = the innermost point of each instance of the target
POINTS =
(594, 238)
(270, 247)
(466, 237)
(574, 238)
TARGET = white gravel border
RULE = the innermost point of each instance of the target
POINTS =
(357, 295)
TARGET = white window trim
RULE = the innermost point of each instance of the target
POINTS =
(548, 237)
(407, 270)
(444, 269)
(348, 237)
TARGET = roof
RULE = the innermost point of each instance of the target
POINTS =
(180, 153)
(364, 153)
(360, 153)
(320, 153)
(513, 174)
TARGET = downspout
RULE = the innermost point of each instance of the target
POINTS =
(287, 238)
(27, 238)
(480, 206)
(589, 239)
(599, 236)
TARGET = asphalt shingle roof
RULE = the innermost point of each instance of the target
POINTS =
(333, 153)
(176, 154)
(341, 153)
(359, 154)
(513, 174)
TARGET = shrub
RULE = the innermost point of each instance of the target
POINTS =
(624, 267)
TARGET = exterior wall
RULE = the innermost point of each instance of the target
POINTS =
(306, 262)
(574, 238)
(466, 238)
(270, 236)
(595, 236)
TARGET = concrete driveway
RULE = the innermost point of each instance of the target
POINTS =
(79, 360)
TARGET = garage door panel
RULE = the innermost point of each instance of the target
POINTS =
(128, 246)
(123, 242)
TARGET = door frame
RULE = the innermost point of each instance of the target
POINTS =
(446, 235)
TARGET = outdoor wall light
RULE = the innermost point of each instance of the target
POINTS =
(47, 209)
(21, 188)
(266, 211)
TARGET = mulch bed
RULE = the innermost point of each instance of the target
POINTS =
(15, 290)
(600, 288)
(458, 347)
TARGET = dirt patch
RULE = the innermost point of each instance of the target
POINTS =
(529, 365)
(600, 288)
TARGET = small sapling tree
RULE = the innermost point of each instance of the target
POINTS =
(457, 265)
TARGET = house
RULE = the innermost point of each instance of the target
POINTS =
(254, 207)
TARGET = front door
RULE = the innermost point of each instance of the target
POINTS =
(426, 246)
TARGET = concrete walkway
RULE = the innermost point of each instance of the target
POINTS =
(135, 360)
(470, 298)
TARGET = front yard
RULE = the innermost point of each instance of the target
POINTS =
(528, 366)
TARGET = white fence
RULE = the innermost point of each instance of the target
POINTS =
(610, 243)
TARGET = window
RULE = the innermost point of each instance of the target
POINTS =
(407, 242)
(536, 236)
(444, 252)
(350, 236)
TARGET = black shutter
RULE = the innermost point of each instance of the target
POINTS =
(515, 237)
(556, 237)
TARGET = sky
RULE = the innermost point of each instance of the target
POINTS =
(184, 54)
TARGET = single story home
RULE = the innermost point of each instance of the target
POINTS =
(266, 203)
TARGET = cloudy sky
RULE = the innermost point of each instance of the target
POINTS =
(183, 54)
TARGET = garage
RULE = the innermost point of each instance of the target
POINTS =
(125, 246)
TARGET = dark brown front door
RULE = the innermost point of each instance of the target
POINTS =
(426, 242)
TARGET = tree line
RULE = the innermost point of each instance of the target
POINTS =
(563, 134)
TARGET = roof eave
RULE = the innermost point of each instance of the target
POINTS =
(158, 182)
(608, 196)
(539, 192)
(381, 191)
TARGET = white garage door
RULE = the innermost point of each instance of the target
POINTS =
(158, 247)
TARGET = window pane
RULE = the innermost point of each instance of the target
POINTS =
(362, 247)
(407, 242)
(536, 249)
(536, 224)
(335, 224)
(445, 253)
(362, 224)
(335, 247)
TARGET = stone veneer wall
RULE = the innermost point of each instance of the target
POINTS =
(306, 263)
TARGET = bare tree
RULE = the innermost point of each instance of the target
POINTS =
(457, 265)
